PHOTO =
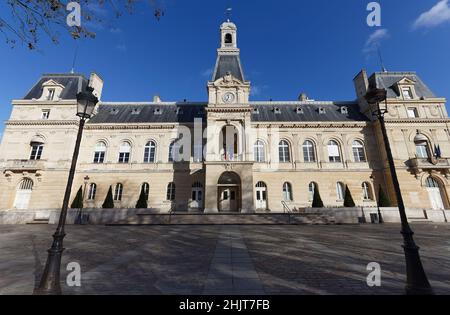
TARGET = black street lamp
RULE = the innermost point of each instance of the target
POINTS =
(50, 283)
(416, 279)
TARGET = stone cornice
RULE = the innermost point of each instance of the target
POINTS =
(310, 125)
(130, 126)
(417, 101)
(237, 108)
(414, 121)
(43, 102)
(42, 122)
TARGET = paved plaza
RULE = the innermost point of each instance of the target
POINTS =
(252, 260)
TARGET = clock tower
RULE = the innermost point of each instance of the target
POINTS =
(228, 85)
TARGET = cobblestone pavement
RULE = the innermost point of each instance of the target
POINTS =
(223, 259)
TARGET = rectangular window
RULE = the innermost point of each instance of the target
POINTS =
(407, 93)
(51, 94)
(412, 113)
(99, 157)
(45, 114)
(36, 151)
(124, 157)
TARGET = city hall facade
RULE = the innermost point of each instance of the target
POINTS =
(238, 156)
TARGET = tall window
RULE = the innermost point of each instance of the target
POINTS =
(422, 150)
(367, 195)
(124, 152)
(311, 189)
(100, 151)
(287, 192)
(334, 152)
(146, 189)
(92, 191)
(359, 153)
(259, 152)
(51, 94)
(36, 150)
(149, 152)
(309, 152)
(407, 93)
(284, 152)
(340, 191)
(118, 192)
(171, 192)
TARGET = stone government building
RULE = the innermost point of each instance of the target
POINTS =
(294, 147)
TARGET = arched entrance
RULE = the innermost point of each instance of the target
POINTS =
(23, 194)
(435, 194)
(229, 192)
(261, 196)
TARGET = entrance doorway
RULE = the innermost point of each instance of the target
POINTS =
(229, 192)
(261, 196)
(23, 194)
(197, 196)
(434, 193)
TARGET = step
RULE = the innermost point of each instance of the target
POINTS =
(39, 221)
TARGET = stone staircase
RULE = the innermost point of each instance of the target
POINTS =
(228, 219)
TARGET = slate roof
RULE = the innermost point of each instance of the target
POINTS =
(73, 83)
(387, 80)
(148, 113)
(228, 63)
(187, 112)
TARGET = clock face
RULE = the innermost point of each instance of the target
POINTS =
(229, 97)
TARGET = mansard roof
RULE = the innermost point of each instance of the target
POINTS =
(228, 63)
(72, 82)
(388, 81)
(310, 111)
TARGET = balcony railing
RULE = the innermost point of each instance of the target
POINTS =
(24, 165)
(429, 163)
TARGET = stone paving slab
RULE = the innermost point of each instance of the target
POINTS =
(223, 260)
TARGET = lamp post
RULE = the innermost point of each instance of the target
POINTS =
(416, 279)
(49, 283)
(86, 181)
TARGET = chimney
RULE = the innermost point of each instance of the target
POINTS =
(303, 97)
(96, 83)
(361, 83)
(156, 99)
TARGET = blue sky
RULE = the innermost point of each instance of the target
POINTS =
(286, 47)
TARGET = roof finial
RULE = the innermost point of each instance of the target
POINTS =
(228, 13)
(383, 68)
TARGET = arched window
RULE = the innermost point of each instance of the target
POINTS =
(311, 189)
(171, 192)
(23, 194)
(100, 151)
(432, 183)
(359, 153)
(367, 193)
(26, 184)
(118, 190)
(145, 187)
(92, 191)
(228, 38)
(287, 192)
(149, 152)
(124, 152)
(309, 152)
(340, 191)
(421, 143)
(36, 150)
(284, 152)
(259, 152)
(334, 152)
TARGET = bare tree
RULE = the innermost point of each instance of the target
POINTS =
(26, 20)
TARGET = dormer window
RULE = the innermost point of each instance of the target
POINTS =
(344, 110)
(407, 93)
(114, 111)
(228, 38)
(255, 111)
(157, 111)
(412, 112)
(50, 94)
(322, 110)
(299, 110)
(277, 110)
(135, 111)
(45, 114)
(179, 111)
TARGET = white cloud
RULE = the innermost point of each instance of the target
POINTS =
(437, 15)
(257, 90)
(375, 39)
